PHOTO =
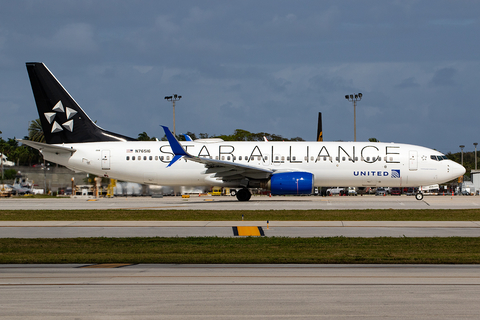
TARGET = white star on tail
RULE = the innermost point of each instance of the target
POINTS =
(50, 116)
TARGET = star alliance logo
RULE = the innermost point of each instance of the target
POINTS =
(56, 127)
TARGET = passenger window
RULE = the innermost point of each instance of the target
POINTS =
(139, 158)
(288, 158)
(283, 158)
(144, 157)
(266, 158)
(240, 158)
(168, 158)
(150, 158)
(343, 158)
(294, 158)
(161, 158)
(368, 158)
(276, 158)
(133, 157)
(228, 158)
(128, 158)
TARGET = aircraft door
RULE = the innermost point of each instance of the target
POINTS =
(105, 159)
(413, 160)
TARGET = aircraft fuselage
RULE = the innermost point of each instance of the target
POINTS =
(332, 163)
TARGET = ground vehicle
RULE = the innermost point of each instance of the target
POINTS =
(381, 192)
(216, 191)
(396, 192)
(352, 191)
(411, 191)
(336, 191)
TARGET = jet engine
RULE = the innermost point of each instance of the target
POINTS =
(291, 183)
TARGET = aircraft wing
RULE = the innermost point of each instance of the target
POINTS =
(223, 170)
(47, 147)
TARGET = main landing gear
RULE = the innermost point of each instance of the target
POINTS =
(419, 196)
(243, 194)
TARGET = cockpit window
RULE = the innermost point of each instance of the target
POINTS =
(438, 158)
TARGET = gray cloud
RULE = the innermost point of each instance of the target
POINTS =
(261, 66)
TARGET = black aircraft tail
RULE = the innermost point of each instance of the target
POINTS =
(63, 121)
(319, 128)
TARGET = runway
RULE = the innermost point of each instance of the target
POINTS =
(239, 292)
(256, 203)
(365, 229)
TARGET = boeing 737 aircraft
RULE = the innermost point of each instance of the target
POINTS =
(76, 142)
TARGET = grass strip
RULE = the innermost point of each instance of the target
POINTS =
(202, 250)
(236, 215)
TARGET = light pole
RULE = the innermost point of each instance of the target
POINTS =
(461, 148)
(475, 144)
(173, 99)
(354, 98)
(1, 160)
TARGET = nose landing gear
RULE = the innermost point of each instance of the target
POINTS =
(419, 196)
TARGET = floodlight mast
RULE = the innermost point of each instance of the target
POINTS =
(475, 144)
(461, 148)
(354, 98)
(173, 98)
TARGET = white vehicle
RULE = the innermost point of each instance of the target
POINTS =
(352, 191)
(76, 142)
(431, 189)
(5, 162)
(335, 191)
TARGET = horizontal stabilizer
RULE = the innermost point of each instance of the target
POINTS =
(47, 147)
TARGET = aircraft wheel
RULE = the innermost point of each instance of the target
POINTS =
(233, 192)
(243, 194)
(419, 196)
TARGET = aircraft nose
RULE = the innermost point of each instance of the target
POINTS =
(457, 170)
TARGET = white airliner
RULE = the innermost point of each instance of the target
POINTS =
(74, 141)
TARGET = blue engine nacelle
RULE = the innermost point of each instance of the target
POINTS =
(291, 183)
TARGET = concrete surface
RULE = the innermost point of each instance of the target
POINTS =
(367, 229)
(240, 292)
(256, 203)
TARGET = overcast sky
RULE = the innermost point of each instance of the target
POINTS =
(262, 65)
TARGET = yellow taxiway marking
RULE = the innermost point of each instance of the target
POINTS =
(248, 231)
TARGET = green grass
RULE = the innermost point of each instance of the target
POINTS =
(236, 215)
(455, 250)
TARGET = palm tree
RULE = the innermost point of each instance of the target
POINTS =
(35, 131)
